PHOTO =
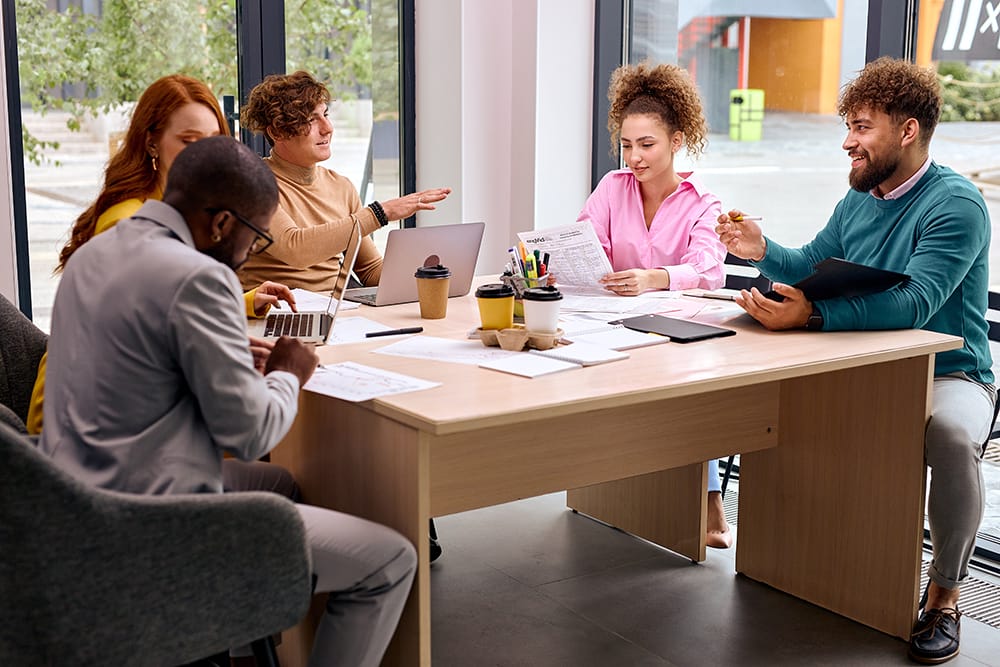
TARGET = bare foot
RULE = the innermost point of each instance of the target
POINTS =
(718, 535)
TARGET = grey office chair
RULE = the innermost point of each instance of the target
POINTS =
(993, 320)
(22, 345)
(94, 577)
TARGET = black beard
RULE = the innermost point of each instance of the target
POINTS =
(870, 177)
(223, 252)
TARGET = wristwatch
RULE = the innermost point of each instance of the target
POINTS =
(815, 321)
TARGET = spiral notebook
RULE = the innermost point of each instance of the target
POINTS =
(615, 337)
(585, 354)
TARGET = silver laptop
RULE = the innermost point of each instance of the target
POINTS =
(456, 246)
(315, 326)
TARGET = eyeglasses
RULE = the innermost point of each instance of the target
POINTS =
(262, 241)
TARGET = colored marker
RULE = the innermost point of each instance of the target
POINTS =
(529, 268)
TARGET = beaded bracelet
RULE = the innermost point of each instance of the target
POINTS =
(379, 213)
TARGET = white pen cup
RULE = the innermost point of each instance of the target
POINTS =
(541, 309)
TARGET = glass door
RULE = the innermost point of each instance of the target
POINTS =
(353, 46)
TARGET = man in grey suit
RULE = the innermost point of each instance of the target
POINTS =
(151, 381)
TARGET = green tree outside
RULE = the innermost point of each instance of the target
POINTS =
(109, 60)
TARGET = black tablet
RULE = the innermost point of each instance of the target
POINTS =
(678, 331)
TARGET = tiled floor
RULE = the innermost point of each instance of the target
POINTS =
(531, 583)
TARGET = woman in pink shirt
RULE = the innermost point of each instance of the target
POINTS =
(657, 225)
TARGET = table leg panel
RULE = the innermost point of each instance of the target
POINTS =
(834, 514)
(349, 459)
(668, 507)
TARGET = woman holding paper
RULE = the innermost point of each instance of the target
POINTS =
(657, 225)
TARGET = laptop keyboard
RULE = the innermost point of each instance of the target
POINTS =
(289, 324)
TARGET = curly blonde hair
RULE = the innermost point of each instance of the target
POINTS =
(663, 91)
(282, 104)
(897, 88)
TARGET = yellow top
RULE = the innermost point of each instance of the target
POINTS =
(105, 221)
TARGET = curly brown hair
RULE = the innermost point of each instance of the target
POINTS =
(897, 88)
(663, 91)
(280, 106)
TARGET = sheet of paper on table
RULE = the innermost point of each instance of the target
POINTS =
(471, 352)
(350, 381)
(306, 300)
(353, 330)
(582, 301)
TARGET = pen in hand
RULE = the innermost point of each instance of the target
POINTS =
(393, 332)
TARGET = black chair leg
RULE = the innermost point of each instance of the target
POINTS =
(435, 546)
(728, 473)
(264, 653)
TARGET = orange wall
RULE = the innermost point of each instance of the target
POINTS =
(796, 63)
(927, 22)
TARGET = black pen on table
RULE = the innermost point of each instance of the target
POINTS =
(393, 332)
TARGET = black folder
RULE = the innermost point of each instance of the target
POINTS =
(678, 331)
(834, 277)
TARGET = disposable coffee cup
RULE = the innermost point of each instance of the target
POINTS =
(541, 309)
(496, 305)
(432, 291)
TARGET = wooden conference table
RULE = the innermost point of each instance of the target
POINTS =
(829, 427)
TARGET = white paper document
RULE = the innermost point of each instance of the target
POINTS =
(575, 254)
(529, 365)
(355, 382)
(352, 330)
(471, 352)
(306, 300)
(589, 302)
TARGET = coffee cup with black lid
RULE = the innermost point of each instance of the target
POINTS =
(496, 305)
(433, 281)
(541, 309)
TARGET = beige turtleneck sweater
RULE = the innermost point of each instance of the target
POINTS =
(310, 230)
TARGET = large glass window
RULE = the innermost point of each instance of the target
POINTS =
(83, 64)
(353, 46)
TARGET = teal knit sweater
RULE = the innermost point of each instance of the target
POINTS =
(938, 233)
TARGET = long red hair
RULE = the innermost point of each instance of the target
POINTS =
(130, 170)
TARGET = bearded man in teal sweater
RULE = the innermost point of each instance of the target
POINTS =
(907, 214)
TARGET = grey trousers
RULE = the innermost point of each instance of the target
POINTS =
(961, 420)
(367, 569)
(258, 476)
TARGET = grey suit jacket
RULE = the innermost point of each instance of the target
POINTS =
(150, 377)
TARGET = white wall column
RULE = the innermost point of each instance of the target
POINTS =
(503, 113)
(564, 110)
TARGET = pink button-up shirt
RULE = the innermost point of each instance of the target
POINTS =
(681, 238)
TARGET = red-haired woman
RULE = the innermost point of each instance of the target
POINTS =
(173, 112)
